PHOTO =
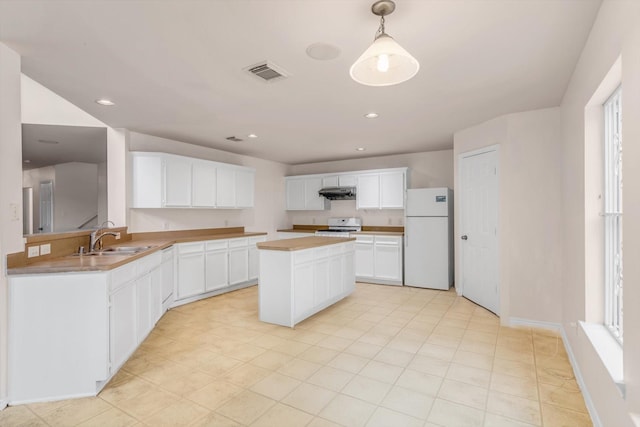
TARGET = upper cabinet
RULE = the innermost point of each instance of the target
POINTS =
(375, 189)
(302, 194)
(162, 180)
(383, 190)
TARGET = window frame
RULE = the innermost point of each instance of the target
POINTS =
(612, 212)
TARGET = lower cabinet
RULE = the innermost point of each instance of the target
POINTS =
(211, 267)
(297, 284)
(122, 322)
(379, 259)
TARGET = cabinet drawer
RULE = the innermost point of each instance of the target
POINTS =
(321, 252)
(336, 249)
(238, 243)
(302, 256)
(214, 245)
(167, 254)
(364, 238)
(148, 263)
(388, 240)
(189, 248)
(122, 275)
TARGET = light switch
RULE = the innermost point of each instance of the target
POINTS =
(45, 249)
(33, 251)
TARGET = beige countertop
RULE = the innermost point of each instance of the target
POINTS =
(74, 263)
(380, 233)
(298, 230)
(302, 243)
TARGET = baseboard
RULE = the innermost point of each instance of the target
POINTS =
(3, 404)
(515, 321)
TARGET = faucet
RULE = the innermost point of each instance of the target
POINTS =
(96, 236)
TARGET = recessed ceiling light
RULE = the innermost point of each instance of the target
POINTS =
(371, 115)
(27, 161)
(252, 135)
(323, 51)
(360, 149)
(105, 102)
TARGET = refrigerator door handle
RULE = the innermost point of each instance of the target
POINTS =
(464, 237)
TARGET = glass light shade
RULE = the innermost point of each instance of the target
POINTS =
(384, 54)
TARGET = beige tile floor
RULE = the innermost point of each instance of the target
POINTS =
(385, 356)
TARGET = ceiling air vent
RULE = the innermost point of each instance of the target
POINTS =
(267, 71)
(233, 138)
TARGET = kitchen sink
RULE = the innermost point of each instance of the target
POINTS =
(120, 250)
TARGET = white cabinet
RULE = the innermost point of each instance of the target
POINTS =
(379, 259)
(254, 257)
(203, 185)
(209, 268)
(177, 181)
(302, 194)
(168, 277)
(191, 269)
(347, 180)
(297, 284)
(216, 268)
(383, 190)
(330, 181)
(162, 180)
(364, 256)
(156, 309)
(122, 324)
(292, 235)
(238, 261)
(143, 307)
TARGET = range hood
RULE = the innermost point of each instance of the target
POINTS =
(338, 193)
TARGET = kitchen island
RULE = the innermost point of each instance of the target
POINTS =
(300, 277)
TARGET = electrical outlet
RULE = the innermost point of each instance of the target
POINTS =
(45, 249)
(33, 251)
(117, 235)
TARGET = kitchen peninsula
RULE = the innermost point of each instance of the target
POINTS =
(302, 276)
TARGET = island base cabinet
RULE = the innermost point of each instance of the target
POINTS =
(58, 348)
(295, 285)
(123, 336)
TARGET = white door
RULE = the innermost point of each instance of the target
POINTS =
(245, 188)
(226, 188)
(368, 192)
(479, 228)
(191, 270)
(177, 182)
(216, 270)
(295, 194)
(238, 265)
(313, 201)
(46, 207)
(392, 190)
(388, 258)
(203, 185)
(426, 254)
(364, 266)
(122, 318)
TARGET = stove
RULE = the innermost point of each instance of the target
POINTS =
(341, 227)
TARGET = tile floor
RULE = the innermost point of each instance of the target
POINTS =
(385, 356)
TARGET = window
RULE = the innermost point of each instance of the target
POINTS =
(613, 213)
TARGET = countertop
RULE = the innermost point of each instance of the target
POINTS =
(301, 243)
(374, 232)
(75, 264)
(299, 230)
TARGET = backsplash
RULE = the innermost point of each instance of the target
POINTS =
(347, 208)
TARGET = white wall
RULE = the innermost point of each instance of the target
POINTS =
(11, 189)
(267, 215)
(42, 106)
(616, 32)
(427, 169)
(75, 200)
(530, 210)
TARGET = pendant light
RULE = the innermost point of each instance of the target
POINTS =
(385, 62)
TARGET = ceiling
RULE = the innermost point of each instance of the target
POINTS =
(48, 145)
(174, 68)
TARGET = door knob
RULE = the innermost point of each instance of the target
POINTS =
(464, 237)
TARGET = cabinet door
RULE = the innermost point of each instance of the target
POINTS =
(168, 279)
(190, 275)
(216, 270)
(388, 260)
(122, 320)
(330, 181)
(364, 259)
(392, 190)
(204, 185)
(238, 265)
(156, 295)
(226, 188)
(302, 289)
(335, 276)
(143, 307)
(254, 263)
(368, 192)
(313, 201)
(245, 184)
(295, 194)
(348, 273)
(320, 282)
(146, 182)
(177, 182)
(347, 181)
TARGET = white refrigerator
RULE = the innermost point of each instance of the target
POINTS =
(428, 239)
